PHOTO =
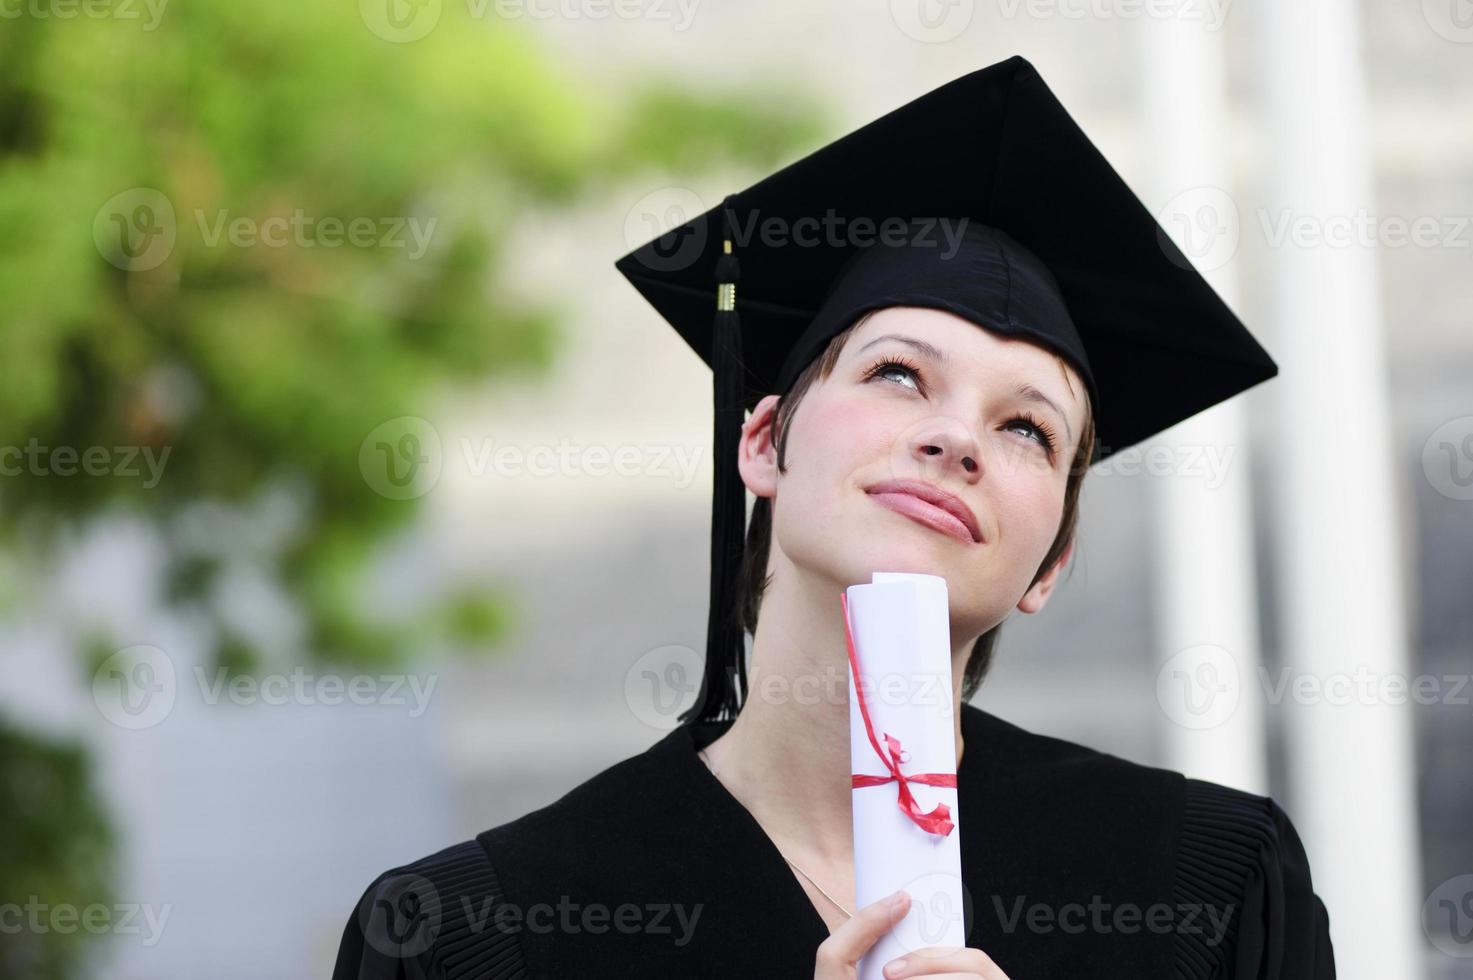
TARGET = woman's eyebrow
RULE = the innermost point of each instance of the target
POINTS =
(929, 350)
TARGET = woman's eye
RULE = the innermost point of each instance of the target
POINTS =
(902, 371)
(1035, 431)
(889, 367)
(1027, 428)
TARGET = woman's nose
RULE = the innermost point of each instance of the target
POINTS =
(945, 447)
(968, 463)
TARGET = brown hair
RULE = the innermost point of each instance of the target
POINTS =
(754, 580)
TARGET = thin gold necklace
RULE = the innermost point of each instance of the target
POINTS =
(707, 760)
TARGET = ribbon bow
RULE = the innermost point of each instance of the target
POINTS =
(938, 821)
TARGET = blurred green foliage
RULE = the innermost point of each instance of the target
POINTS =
(256, 366)
(55, 854)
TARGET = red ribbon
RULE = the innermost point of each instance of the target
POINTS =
(938, 821)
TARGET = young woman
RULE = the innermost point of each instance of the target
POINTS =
(927, 402)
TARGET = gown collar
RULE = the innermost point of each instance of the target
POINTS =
(680, 748)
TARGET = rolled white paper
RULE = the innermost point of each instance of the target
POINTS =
(902, 637)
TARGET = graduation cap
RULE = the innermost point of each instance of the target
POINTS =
(1054, 247)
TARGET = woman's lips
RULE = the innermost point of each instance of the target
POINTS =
(928, 514)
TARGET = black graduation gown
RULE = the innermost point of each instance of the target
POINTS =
(1075, 864)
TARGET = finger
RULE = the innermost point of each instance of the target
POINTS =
(853, 939)
(938, 961)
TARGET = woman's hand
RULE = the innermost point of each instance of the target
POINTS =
(839, 955)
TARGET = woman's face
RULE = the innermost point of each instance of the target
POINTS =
(957, 407)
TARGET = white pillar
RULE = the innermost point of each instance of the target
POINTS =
(1352, 764)
(1207, 621)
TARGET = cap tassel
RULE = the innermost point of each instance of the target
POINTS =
(724, 685)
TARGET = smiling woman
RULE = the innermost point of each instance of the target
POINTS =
(918, 404)
(1080, 435)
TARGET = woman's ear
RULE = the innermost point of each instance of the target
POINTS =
(756, 453)
(1037, 597)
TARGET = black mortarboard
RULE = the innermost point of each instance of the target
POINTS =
(1054, 246)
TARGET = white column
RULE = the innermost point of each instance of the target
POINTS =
(1207, 622)
(1351, 750)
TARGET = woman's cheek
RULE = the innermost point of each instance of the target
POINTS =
(861, 422)
(849, 444)
(1030, 511)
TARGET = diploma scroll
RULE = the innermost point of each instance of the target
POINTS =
(902, 738)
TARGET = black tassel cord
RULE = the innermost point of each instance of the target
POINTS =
(724, 685)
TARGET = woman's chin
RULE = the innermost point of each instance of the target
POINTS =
(900, 555)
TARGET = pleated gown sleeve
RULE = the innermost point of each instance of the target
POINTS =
(434, 918)
(1242, 862)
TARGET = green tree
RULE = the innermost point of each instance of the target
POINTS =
(56, 850)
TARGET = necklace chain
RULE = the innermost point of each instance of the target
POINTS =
(707, 760)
